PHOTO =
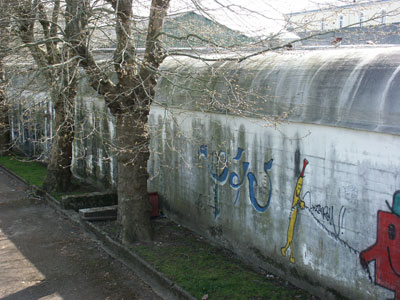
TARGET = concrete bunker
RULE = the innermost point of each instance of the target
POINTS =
(292, 157)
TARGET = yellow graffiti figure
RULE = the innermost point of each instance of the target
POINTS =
(297, 202)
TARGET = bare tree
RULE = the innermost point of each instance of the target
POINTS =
(129, 101)
(60, 52)
(60, 73)
(4, 40)
(129, 96)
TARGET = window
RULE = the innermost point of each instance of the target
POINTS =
(341, 21)
(361, 18)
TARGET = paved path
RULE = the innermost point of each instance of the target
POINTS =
(44, 256)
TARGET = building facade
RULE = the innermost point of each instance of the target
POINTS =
(353, 14)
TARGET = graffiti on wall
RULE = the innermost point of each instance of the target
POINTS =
(327, 213)
(322, 214)
(386, 250)
(297, 204)
(219, 171)
(328, 218)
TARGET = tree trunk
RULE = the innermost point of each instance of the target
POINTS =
(4, 124)
(133, 204)
(129, 101)
(58, 174)
(5, 138)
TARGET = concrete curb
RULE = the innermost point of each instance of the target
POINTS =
(161, 285)
(33, 188)
(151, 276)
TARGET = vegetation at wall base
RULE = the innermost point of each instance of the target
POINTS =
(203, 269)
(34, 173)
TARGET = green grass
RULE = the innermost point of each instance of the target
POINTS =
(201, 269)
(32, 171)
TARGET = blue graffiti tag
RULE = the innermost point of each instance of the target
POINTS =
(223, 176)
(252, 181)
(218, 179)
(216, 162)
(220, 161)
(204, 151)
(234, 175)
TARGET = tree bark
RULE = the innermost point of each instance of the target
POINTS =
(58, 173)
(5, 138)
(135, 209)
(60, 72)
(133, 204)
(5, 38)
(129, 101)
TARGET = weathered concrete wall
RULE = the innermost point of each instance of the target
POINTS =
(31, 122)
(223, 170)
(93, 153)
(229, 144)
(31, 114)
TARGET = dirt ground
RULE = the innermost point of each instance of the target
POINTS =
(45, 256)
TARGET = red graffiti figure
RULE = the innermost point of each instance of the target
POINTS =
(386, 250)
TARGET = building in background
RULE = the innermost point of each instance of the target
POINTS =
(357, 22)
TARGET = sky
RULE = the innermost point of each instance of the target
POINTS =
(252, 17)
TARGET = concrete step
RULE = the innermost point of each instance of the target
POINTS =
(87, 200)
(99, 213)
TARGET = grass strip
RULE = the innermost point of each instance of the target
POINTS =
(203, 269)
(206, 271)
(32, 171)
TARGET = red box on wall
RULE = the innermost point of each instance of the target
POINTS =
(153, 199)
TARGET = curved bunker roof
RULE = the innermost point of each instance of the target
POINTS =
(355, 88)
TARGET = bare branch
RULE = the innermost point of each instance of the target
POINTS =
(43, 20)
(76, 37)
(26, 13)
(125, 53)
(54, 18)
(154, 56)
